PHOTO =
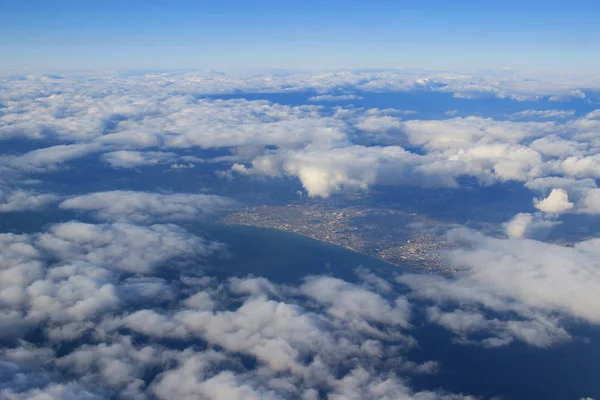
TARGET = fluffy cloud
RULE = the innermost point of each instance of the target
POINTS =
(544, 113)
(51, 157)
(153, 117)
(462, 133)
(132, 159)
(355, 305)
(94, 286)
(122, 246)
(582, 193)
(22, 200)
(67, 277)
(594, 114)
(590, 204)
(557, 202)
(329, 97)
(555, 146)
(538, 281)
(301, 337)
(126, 300)
(354, 168)
(142, 207)
(296, 346)
(537, 331)
(580, 167)
(528, 225)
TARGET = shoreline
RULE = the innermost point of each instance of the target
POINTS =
(326, 242)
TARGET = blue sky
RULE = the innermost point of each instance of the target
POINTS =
(462, 35)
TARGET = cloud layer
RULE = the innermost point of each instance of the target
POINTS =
(128, 307)
(132, 334)
(544, 284)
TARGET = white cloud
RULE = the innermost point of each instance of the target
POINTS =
(132, 159)
(354, 168)
(462, 133)
(194, 377)
(101, 287)
(353, 304)
(555, 146)
(590, 204)
(155, 115)
(525, 225)
(583, 193)
(122, 246)
(51, 157)
(23, 200)
(579, 167)
(329, 97)
(68, 391)
(540, 282)
(302, 348)
(544, 114)
(69, 283)
(67, 278)
(557, 202)
(569, 95)
(594, 114)
(182, 166)
(144, 207)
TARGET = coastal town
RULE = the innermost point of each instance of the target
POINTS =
(401, 239)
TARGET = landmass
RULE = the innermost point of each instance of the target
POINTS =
(396, 237)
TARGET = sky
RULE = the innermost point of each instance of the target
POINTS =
(65, 35)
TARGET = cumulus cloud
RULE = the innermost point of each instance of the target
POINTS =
(68, 391)
(52, 157)
(378, 124)
(569, 95)
(66, 277)
(489, 150)
(297, 347)
(23, 200)
(300, 337)
(128, 299)
(590, 203)
(583, 193)
(80, 281)
(182, 166)
(122, 246)
(539, 282)
(538, 331)
(142, 125)
(354, 168)
(557, 202)
(355, 305)
(464, 132)
(330, 97)
(594, 114)
(544, 114)
(555, 146)
(525, 225)
(132, 159)
(144, 207)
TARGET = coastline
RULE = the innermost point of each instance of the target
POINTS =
(326, 242)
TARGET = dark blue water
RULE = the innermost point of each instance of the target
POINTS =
(564, 371)
(285, 257)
